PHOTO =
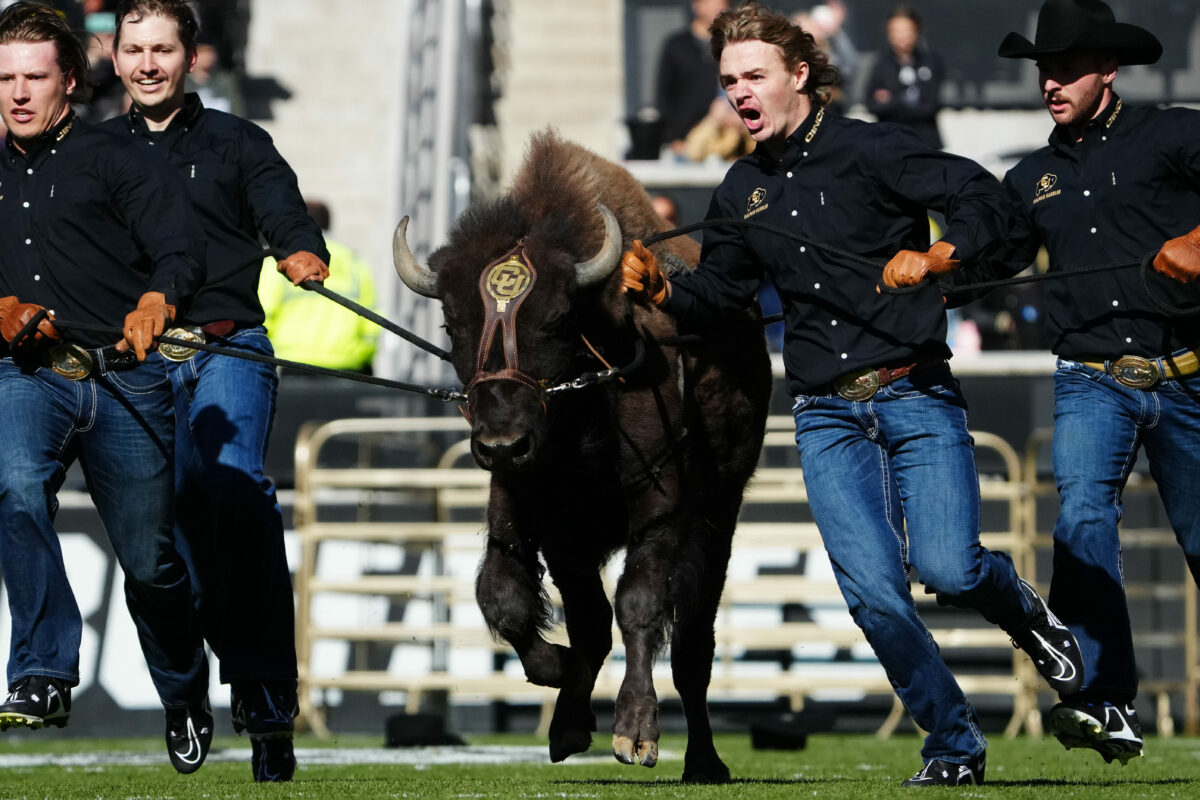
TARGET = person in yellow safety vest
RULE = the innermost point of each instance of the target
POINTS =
(306, 327)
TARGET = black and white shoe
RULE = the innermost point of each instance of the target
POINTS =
(266, 711)
(272, 757)
(35, 702)
(1112, 731)
(189, 735)
(946, 773)
(1050, 644)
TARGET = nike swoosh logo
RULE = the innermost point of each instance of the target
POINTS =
(192, 754)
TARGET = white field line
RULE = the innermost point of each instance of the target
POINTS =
(414, 756)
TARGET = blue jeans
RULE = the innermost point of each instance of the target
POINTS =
(229, 524)
(892, 484)
(119, 426)
(1099, 425)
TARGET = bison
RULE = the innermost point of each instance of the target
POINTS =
(655, 462)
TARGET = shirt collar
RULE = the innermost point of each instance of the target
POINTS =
(805, 134)
(1106, 119)
(192, 106)
(47, 138)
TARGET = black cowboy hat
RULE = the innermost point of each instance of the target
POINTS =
(1065, 26)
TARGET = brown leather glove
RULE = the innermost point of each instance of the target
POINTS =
(909, 267)
(6, 305)
(640, 274)
(303, 266)
(145, 322)
(1179, 258)
(16, 315)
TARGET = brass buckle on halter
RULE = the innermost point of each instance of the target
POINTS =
(181, 352)
(1135, 372)
(69, 360)
(857, 386)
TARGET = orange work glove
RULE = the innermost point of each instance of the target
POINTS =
(640, 274)
(1179, 258)
(145, 322)
(909, 267)
(303, 266)
(16, 315)
(7, 303)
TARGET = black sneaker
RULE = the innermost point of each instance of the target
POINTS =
(272, 757)
(266, 711)
(36, 701)
(1052, 647)
(946, 773)
(1112, 731)
(189, 735)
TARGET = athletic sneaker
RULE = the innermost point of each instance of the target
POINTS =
(36, 701)
(266, 711)
(189, 735)
(946, 773)
(1052, 647)
(272, 757)
(1112, 731)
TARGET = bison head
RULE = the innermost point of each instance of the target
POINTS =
(511, 292)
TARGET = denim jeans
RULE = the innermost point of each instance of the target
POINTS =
(119, 426)
(229, 524)
(1099, 426)
(892, 484)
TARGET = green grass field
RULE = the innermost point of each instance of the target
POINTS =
(832, 766)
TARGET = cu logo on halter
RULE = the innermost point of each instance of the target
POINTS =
(1046, 183)
(507, 280)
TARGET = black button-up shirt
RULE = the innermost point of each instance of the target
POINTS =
(863, 188)
(240, 188)
(1132, 183)
(90, 225)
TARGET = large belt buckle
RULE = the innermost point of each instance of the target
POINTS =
(181, 352)
(1135, 372)
(857, 386)
(69, 360)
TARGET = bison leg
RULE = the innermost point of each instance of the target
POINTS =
(641, 615)
(510, 595)
(589, 630)
(696, 589)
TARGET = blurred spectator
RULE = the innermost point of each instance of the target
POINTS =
(666, 208)
(721, 135)
(825, 22)
(905, 84)
(217, 87)
(687, 75)
(108, 96)
(306, 327)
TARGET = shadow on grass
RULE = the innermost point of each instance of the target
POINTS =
(1031, 783)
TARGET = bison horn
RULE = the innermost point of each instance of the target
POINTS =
(415, 275)
(604, 262)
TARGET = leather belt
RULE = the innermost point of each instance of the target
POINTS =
(1139, 372)
(75, 362)
(864, 383)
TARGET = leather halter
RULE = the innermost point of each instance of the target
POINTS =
(504, 285)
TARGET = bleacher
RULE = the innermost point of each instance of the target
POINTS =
(783, 631)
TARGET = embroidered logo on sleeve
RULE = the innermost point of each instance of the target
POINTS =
(1045, 188)
(756, 202)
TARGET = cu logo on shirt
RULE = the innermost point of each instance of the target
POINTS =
(755, 203)
(1046, 183)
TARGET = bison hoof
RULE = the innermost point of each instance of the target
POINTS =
(628, 752)
(569, 743)
(708, 773)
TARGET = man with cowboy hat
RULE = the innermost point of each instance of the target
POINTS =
(1115, 182)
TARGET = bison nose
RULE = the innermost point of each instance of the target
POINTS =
(503, 454)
